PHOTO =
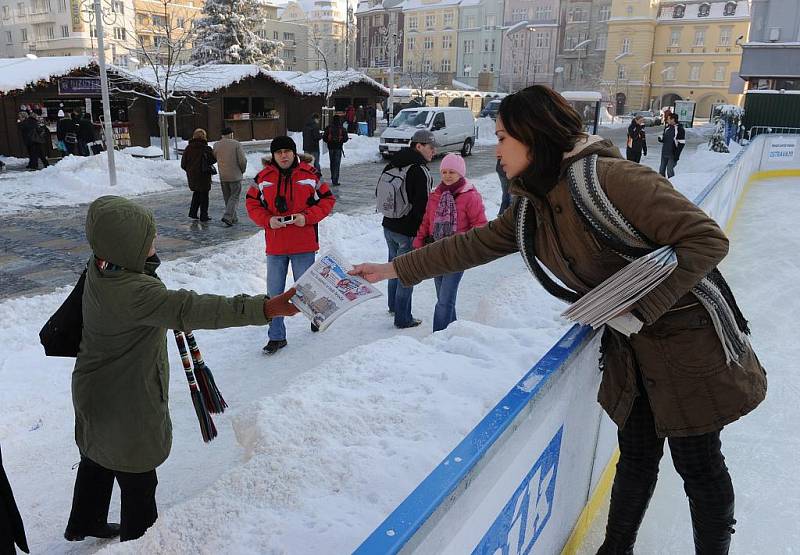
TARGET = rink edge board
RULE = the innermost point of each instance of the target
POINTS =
(396, 531)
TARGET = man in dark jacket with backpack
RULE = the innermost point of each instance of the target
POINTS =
(674, 139)
(402, 194)
(335, 136)
(311, 137)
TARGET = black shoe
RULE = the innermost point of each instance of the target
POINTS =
(206, 219)
(412, 324)
(193, 217)
(273, 346)
(314, 327)
(227, 223)
(105, 531)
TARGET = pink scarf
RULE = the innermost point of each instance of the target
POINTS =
(445, 219)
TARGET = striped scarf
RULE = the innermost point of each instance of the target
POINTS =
(610, 225)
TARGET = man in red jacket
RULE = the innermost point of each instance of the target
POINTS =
(288, 201)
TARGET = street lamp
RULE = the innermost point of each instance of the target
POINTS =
(645, 67)
(391, 42)
(616, 81)
(531, 30)
(580, 65)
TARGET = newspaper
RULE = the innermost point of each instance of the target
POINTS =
(326, 291)
(610, 300)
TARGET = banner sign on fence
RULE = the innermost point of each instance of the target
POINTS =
(79, 85)
(523, 518)
(781, 149)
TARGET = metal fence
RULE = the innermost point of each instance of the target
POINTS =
(761, 129)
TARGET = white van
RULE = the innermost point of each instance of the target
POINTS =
(454, 129)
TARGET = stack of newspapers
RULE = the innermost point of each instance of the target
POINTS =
(618, 293)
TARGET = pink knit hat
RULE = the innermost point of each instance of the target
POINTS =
(454, 162)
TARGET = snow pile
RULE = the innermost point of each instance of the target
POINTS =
(12, 162)
(143, 151)
(78, 179)
(485, 132)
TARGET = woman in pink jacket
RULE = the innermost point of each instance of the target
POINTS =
(455, 206)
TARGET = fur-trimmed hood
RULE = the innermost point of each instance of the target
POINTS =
(301, 157)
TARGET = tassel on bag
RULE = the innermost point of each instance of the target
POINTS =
(205, 379)
(207, 428)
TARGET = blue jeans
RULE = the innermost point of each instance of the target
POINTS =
(667, 168)
(399, 296)
(446, 291)
(335, 156)
(277, 267)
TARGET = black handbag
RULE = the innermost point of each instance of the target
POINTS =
(61, 335)
(207, 165)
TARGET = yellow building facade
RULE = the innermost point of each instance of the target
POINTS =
(158, 21)
(430, 40)
(663, 51)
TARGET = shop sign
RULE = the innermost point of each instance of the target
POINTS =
(79, 85)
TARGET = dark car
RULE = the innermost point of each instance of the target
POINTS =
(490, 110)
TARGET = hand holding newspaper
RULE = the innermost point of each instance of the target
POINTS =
(610, 302)
(326, 291)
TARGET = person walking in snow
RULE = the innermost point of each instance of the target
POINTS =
(120, 383)
(232, 164)
(67, 134)
(673, 140)
(311, 137)
(198, 162)
(335, 136)
(288, 200)
(86, 134)
(689, 370)
(636, 142)
(455, 206)
(401, 223)
(350, 118)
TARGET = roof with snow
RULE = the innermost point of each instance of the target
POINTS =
(21, 73)
(210, 78)
(413, 5)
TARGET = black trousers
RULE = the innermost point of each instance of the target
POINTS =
(633, 155)
(199, 200)
(36, 153)
(92, 497)
(698, 460)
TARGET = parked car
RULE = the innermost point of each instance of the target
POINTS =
(649, 117)
(490, 110)
(454, 129)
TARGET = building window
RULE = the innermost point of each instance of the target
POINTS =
(448, 19)
(182, 23)
(519, 14)
(62, 6)
(669, 72)
(537, 68)
(6, 12)
(629, 11)
(485, 45)
(719, 72)
(377, 20)
(428, 43)
(699, 37)
(492, 45)
(694, 72)
(601, 42)
(675, 37)
(578, 15)
(65, 31)
(411, 43)
(412, 23)
(447, 42)
(620, 71)
(470, 22)
(678, 11)
(542, 40)
(626, 46)
(491, 21)
(119, 33)
(604, 14)
(426, 66)
(9, 38)
(20, 10)
(467, 70)
(51, 32)
(730, 8)
(159, 21)
(544, 12)
(118, 6)
(725, 36)
(274, 35)
(288, 37)
(24, 33)
(469, 46)
(445, 66)
(704, 10)
(430, 21)
(517, 41)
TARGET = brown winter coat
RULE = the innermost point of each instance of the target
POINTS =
(691, 388)
(192, 163)
(231, 160)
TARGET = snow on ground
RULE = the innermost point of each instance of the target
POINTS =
(322, 440)
(761, 448)
(78, 179)
(146, 151)
(359, 149)
(12, 162)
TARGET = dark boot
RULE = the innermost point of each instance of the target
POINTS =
(90, 502)
(629, 500)
(712, 527)
(106, 531)
(273, 346)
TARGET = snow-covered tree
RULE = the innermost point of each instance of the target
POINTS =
(226, 34)
(727, 118)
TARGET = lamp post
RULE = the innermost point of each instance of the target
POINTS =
(579, 73)
(645, 67)
(391, 41)
(101, 59)
(616, 81)
(531, 30)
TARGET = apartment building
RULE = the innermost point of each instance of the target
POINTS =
(163, 29)
(530, 43)
(295, 52)
(430, 36)
(63, 28)
(771, 55)
(674, 50)
(583, 39)
(479, 43)
(379, 39)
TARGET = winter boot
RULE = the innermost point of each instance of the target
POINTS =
(105, 531)
(273, 346)
(630, 497)
(712, 526)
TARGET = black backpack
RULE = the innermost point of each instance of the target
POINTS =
(61, 335)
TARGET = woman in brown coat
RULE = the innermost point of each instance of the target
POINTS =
(198, 162)
(688, 371)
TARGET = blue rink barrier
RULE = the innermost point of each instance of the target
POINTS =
(531, 475)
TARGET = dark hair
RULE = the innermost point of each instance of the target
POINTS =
(540, 118)
(673, 115)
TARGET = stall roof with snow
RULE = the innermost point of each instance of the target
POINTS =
(18, 74)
